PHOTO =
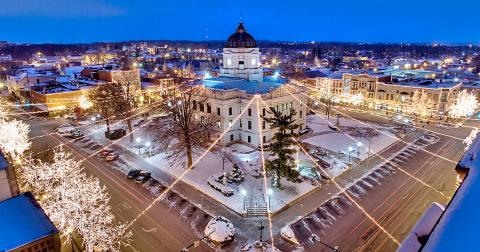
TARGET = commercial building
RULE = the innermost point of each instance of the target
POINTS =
(25, 227)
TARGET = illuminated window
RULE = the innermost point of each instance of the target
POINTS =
(254, 61)
(229, 62)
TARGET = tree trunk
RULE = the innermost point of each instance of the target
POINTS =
(189, 156)
(108, 124)
(130, 129)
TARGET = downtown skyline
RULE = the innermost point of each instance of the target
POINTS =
(372, 21)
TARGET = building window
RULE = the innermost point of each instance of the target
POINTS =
(231, 138)
(301, 114)
(249, 139)
(209, 108)
(241, 65)
(194, 105)
(229, 62)
(219, 124)
(230, 111)
(254, 61)
(249, 124)
(263, 111)
(230, 123)
(202, 107)
(263, 124)
(241, 109)
(241, 125)
(264, 139)
(240, 136)
(218, 111)
(249, 112)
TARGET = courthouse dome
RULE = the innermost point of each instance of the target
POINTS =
(241, 39)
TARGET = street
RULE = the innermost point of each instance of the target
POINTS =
(152, 232)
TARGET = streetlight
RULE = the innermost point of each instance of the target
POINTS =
(359, 144)
(93, 119)
(270, 193)
(405, 125)
(147, 145)
(350, 149)
(138, 140)
(244, 194)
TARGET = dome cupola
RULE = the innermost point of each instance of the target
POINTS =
(241, 39)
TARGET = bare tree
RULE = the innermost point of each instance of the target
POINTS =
(129, 80)
(185, 131)
(104, 100)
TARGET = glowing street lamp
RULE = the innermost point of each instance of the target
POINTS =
(243, 192)
(270, 193)
(359, 144)
(350, 149)
(138, 140)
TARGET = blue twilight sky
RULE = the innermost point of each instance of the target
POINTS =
(65, 21)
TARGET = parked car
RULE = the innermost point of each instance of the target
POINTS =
(139, 122)
(71, 116)
(143, 177)
(112, 156)
(303, 131)
(115, 134)
(76, 135)
(133, 174)
(104, 153)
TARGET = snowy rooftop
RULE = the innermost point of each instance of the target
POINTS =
(251, 87)
(459, 226)
(22, 222)
(428, 83)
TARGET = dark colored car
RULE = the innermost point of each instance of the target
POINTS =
(143, 177)
(133, 174)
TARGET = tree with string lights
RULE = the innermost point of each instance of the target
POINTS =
(14, 139)
(421, 102)
(282, 162)
(465, 105)
(76, 203)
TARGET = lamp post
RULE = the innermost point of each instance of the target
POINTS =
(270, 193)
(147, 146)
(138, 140)
(359, 144)
(93, 119)
(244, 194)
(350, 149)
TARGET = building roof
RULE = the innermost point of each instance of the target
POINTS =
(241, 39)
(22, 222)
(458, 228)
(251, 87)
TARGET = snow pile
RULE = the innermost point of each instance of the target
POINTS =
(225, 190)
(287, 234)
(220, 230)
(259, 246)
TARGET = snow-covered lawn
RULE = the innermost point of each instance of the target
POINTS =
(339, 143)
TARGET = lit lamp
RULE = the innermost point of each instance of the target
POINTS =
(359, 144)
(243, 192)
(350, 149)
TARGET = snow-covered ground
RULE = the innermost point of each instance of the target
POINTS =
(338, 142)
(249, 162)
